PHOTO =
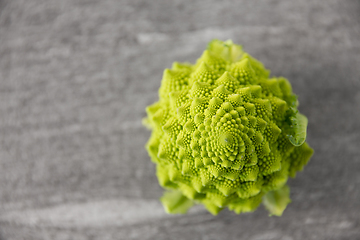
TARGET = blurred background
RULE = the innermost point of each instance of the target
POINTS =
(76, 76)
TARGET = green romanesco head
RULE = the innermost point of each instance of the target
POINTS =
(224, 134)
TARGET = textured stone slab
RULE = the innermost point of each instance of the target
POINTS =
(104, 213)
(76, 75)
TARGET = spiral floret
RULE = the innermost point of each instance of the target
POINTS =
(224, 134)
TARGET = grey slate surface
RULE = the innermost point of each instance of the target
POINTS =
(76, 76)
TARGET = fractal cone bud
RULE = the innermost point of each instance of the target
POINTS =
(225, 134)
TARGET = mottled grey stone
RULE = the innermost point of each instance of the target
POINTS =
(76, 76)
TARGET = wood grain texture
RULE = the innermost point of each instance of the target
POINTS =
(76, 76)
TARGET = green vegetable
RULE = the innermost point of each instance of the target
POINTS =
(224, 134)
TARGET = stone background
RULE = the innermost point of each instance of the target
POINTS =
(76, 76)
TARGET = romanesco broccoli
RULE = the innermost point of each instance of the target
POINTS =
(224, 134)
